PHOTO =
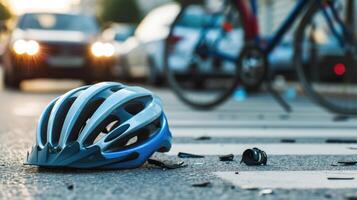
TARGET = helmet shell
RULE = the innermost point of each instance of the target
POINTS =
(106, 125)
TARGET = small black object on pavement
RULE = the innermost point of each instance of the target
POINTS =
(166, 165)
(254, 156)
(228, 157)
(188, 155)
(347, 163)
(351, 198)
(203, 138)
(70, 187)
(204, 184)
(287, 141)
(340, 178)
(337, 141)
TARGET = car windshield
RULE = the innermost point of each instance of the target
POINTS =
(65, 22)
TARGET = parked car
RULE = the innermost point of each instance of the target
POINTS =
(117, 34)
(142, 54)
(55, 45)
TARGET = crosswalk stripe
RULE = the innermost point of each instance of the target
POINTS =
(261, 123)
(243, 115)
(291, 179)
(269, 148)
(264, 133)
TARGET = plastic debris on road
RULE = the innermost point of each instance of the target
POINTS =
(340, 178)
(337, 141)
(166, 165)
(345, 163)
(203, 138)
(203, 184)
(265, 192)
(254, 156)
(228, 157)
(288, 141)
(70, 187)
(240, 94)
(188, 155)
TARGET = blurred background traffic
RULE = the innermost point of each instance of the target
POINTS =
(96, 40)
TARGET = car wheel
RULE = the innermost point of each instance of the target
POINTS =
(12, 81)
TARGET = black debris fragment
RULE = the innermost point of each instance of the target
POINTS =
(344, 163)
(340, 118)
(347, 163)
(346, 141)
(203, 184)
(251, 188)
(203, 138)
(166, 165)
(236, 172)
(188, 155)
(287, 141)
(228, 157)
(351, 198)
(254, 156)
(340, 178)
(70, 187)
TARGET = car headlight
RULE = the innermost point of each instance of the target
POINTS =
(20, 46)
(30, 47)
(100, 49)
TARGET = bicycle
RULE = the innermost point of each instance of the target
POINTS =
(207, 58)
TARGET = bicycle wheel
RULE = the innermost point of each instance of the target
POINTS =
(200, 54)
(325, 55)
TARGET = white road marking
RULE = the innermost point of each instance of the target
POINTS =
(259, 123)
(270, 149)
(264, 133)
(31, 109)
(290, 179)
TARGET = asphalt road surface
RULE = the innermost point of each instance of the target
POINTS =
(305, 169)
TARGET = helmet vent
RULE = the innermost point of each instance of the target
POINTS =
(112, 125)
(44, 125)
(135, 138)
(108, 124)
(134, 107)
(85, 115)
(57, 126)
(132, 141)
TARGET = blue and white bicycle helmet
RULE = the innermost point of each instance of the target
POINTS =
(106, 125)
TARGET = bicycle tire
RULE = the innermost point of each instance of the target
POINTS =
(316, 96)
(174, 85)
